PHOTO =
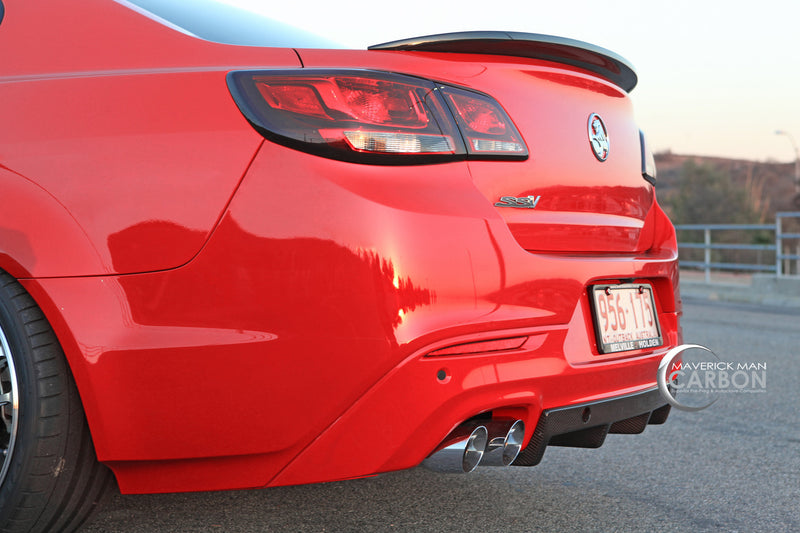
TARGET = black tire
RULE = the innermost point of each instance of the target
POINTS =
(52, 480)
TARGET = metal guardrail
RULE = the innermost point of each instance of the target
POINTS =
(779, 246)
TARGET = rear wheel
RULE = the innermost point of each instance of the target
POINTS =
(50, 479)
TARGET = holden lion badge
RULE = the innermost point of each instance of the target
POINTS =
(598, 137)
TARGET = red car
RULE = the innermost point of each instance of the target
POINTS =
(234, 256)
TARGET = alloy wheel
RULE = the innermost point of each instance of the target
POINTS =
(9, 405)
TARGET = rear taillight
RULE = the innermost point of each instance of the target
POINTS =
(485, 126)
(375, 117)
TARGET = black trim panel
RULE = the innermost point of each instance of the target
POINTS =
(596, 59)
(646, 156)
(586, 425)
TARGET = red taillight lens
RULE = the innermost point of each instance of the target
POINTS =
(369, 101)
(384, 102)
(481, 117)
(486, 127)
(294, 98)
(368, 116)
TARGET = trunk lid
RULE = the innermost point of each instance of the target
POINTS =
(566, 197)
(577, 202)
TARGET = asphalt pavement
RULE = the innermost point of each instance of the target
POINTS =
(732, 467)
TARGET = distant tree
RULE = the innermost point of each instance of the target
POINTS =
(707, 195)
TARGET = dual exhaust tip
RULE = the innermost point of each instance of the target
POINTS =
(494, 443)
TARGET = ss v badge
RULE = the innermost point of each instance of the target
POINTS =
(524, 202)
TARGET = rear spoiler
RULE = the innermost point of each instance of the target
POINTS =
(600, 61)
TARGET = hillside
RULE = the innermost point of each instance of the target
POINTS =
(766, 187)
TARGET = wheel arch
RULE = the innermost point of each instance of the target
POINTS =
(40, 239)
(38, 236)
(72, 352)
(54, 481)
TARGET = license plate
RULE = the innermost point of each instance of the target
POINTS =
(625, 317)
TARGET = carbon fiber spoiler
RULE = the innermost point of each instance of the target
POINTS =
(600, 61)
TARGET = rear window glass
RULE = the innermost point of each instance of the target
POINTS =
(215, 21)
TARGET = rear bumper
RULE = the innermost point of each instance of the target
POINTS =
(305, 345)
(406, 415)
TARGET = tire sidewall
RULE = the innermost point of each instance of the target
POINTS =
(13, 486)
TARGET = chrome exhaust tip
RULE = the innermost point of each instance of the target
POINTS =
(462, 453)
(505, 442)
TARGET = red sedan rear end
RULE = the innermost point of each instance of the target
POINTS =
(252, 260)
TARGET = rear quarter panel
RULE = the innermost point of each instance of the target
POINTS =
(127, 126)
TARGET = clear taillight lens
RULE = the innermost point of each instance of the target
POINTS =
(377, 117)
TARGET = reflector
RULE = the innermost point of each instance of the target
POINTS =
(477, 347)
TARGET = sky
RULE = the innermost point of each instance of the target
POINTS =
(716, 78)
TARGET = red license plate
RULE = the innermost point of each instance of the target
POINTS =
(625, 317)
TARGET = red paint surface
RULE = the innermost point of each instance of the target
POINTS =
(241, 314)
